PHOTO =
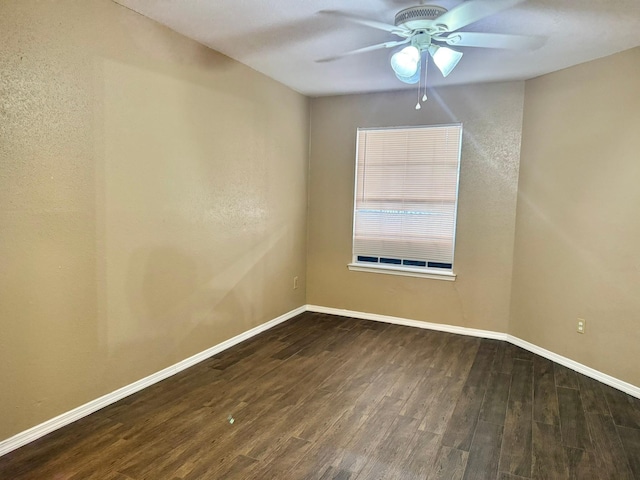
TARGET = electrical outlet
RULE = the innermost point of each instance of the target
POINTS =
(295, 283)
(581, 325)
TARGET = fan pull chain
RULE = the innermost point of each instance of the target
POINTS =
(420, 82)
(418, 106)
(426, 64)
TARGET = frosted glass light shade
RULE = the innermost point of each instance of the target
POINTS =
(406, 62)
(445, 58)
(415, 78)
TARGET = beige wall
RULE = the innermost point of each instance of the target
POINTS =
(152, 202)
(578, 222)
(479, 298)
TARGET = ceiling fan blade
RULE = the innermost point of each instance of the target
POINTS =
(493, 40)
(370, 48)
(367, 22)
(472, 11)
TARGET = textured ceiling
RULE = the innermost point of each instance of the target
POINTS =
(283, 38)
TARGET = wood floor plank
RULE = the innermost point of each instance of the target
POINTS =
(482, 363)
(164, 443)
(450, 464)
(494, 404)
(383, 385)
(280, 461)
(239, 467)
(326, 415)
(520, 353)
(630, 438)
(610, 455)
(575, 432)
(431, 348)
(419, 463)
(515, 456)
(436, 416)
(103, 476)
(308, 384)
(504, 358)
(592, 396)
(74, 441)
(361, 368)
(461, 354)
(581, 463)
(369, 437)
(289, 418)
(414, 350)
(545, 401)
(157, 462)
(225, 438)
(484, 454)
(625, 409)
(565, 377)
(398, 336)
(332, 473)
(431, 384)
(343, 341)
(388, 459)
(330, 447)
(451, 346)
(276, 385)
(406, 381)
(464, 418)
(298, 346)
(224, 445)
(549, 458)
(228, 358)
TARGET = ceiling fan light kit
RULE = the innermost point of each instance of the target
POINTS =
(428, 28)
(405, 62)
(445, 58)
(411, 79)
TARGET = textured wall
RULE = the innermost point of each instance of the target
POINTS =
(578, 222)
(152, 202)
(479, 298)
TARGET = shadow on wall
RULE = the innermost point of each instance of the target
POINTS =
(165, 305)
(175, 305)
(160, 283)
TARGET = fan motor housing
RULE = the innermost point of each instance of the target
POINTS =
(419, 17)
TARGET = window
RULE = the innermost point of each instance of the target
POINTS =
(406, 197)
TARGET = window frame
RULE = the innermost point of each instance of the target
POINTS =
(403, 270)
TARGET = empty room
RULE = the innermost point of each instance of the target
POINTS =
(383, 239)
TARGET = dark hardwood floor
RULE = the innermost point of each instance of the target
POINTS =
(324, 397)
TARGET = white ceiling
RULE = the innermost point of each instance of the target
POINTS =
(283, 38)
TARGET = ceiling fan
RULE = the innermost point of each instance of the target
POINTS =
(432, 29)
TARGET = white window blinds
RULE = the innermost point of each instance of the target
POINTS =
(406, 196)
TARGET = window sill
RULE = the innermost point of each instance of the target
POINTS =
(404, 271)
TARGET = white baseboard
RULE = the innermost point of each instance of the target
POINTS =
(472, 332)
(614, 382)
(66, 418)
(567, 362)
